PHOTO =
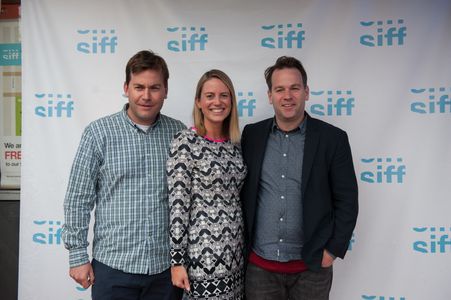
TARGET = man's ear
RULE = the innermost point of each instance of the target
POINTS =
(126, 89)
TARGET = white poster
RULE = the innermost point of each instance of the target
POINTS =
(377, 69)
(10, 104)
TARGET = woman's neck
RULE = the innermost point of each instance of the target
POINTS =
(215, 132)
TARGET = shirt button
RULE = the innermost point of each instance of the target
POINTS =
(281, 219)
(286, 135)
(281, 240)
(284, 155)
(283, 176)
(282, 197)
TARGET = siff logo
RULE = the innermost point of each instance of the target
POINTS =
(56, 106)
(388, 35)
(188, 40)
(365, 297)
(351, 242)
(392, 171)
(98, 41)
(82, 293)
(336, 104)
(49, 233)
(10, 54)
(438, 240)
(288, 36)
(438, 101)
(246, 104)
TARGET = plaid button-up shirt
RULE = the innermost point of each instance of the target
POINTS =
(120, 169)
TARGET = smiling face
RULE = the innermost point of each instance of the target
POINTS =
(288, 95)
(215, 102)
(146, 93)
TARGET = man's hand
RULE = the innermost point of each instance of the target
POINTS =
(83, 274)
(328, 259)
(179, 277)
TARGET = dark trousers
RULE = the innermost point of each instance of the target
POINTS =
(308, 285)
(112, 284)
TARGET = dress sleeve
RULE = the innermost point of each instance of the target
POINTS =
(80, 198)
(178, 171)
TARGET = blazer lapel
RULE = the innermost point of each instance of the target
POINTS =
(311, 144)
(261, 139)
(257, 142)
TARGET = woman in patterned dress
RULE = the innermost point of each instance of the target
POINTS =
(205, 172)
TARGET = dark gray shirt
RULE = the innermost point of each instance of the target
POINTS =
(278, 228)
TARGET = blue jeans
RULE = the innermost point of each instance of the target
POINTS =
(309, 285)
(112, 284)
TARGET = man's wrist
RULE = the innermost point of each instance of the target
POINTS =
(78, 257)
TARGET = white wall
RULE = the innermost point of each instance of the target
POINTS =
(394, 80)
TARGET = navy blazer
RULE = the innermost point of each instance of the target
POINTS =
(329, 187)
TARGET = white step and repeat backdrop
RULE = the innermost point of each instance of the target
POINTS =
(381, 70)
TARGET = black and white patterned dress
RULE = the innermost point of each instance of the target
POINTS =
(206, 222)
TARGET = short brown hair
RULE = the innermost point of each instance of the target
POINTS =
(285, 62)
(146, 60)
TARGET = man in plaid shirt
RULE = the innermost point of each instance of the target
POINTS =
(120, 169)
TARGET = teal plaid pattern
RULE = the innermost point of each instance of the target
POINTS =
(120, 169)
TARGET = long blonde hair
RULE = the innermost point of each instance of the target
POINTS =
(230, 126)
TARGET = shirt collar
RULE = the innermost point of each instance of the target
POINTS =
(302, 126)
(129, 121)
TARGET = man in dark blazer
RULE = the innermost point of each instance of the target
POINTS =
(300, 195)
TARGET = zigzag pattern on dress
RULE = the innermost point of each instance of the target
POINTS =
(219, 288)
(206, 222)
